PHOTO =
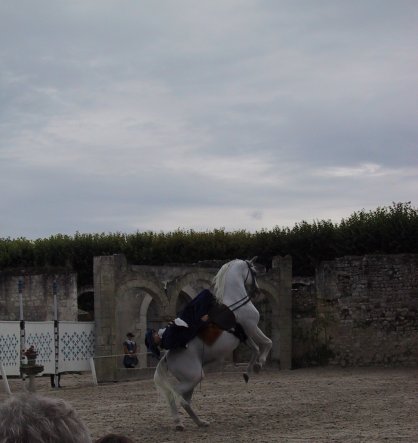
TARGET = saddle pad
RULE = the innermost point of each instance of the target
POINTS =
(209, 334)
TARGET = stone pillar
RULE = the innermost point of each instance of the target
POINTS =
(282, 267)
(106, 272)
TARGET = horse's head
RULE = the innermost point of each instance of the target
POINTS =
(250, 280)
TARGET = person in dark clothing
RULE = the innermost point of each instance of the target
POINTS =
(198, 314)
(52, 378)
(130, 359)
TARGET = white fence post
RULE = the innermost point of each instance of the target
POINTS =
(5, 381)
(93, 371)
(56, 334)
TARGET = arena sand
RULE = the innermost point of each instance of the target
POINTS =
(304, 405)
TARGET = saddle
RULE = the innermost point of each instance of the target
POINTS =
(221, 318)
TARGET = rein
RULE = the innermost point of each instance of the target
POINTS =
(244, 301)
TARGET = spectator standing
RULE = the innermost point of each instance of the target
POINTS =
(130, 360)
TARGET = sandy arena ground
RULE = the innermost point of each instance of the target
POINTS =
(304, 405)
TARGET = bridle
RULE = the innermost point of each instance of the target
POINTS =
(247, 298)
(251, 271)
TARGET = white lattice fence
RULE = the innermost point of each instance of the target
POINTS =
(73, 351)
(76, 346)
(41, 336)
(10, 346)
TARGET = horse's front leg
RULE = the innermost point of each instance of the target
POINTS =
(264, 344)
(253, 359)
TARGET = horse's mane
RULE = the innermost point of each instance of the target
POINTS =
(218, 281)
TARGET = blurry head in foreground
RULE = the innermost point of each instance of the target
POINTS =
(114, 438)
(37, 419)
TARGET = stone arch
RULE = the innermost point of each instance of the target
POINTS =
(185, 295)
(85, 303)
(189, 284)
(134, 298)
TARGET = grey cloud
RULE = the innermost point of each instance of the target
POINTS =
(118, 115)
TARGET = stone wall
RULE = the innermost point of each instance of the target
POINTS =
(37, 295)
(367, 307)
(357, 310)
(304, 344)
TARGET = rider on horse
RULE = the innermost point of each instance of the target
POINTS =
(200, 313)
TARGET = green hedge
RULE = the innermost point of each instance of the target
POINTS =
(392, 229)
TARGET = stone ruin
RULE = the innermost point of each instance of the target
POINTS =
(368, 307)
(37, 293)
(133, 298)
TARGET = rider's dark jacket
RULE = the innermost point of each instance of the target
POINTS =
(178, 336)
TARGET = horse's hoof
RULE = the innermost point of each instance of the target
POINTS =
(246, 378)
(257, 368)
(179, 427)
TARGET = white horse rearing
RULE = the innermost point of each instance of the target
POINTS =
(186, 364)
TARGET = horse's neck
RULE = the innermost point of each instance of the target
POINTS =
(230, 287)
(234, 289)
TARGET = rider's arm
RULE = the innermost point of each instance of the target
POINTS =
(179, 322)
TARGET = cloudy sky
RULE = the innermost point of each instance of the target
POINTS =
(126, 115)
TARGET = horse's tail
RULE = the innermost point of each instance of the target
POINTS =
(163, 383)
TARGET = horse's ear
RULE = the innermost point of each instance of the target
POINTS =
(252, 261)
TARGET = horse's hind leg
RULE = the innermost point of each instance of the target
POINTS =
(187, 369)
(201, 423)
(188, 408)
(175, 413)
(184, 392)
(164, 385)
